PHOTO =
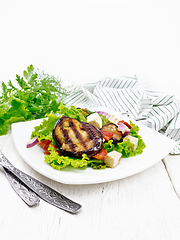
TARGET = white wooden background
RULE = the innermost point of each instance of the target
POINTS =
(83, 41)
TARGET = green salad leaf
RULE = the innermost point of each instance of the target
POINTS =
(104, 119)
(59, 162)
(73, 112)
(29, 97)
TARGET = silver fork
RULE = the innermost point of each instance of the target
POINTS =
(46, 193)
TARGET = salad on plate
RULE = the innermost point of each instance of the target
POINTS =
(83, 138)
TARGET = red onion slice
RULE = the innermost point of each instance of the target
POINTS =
(123, 128)
(32, 142)
(104, 114)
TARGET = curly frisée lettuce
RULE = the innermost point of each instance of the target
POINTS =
(58, 161)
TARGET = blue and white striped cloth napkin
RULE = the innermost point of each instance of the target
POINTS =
(134, 97)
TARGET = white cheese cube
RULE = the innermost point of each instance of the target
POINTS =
(113, 119)
(95, 120)
(113, 158)
(132, 140)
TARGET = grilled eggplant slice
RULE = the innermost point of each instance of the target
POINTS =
(75, 138)
(113, 128)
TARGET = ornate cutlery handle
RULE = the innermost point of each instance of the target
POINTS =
(28, 196)
(48, 194)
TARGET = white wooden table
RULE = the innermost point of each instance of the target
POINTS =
(143, 206)
(84, 41)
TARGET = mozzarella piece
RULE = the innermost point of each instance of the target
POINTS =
(95, 120)
(132, 140)
(114, 119)
(113, 158)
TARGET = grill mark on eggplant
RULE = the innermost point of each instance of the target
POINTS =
(91, 134)
(68, 140)
(77, 133)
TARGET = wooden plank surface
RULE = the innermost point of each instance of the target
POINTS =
(143, 206)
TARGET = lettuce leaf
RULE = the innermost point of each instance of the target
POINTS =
(59, 162)
(44, 130)
(71, 112)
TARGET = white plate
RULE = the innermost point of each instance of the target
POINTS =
(157, 147)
